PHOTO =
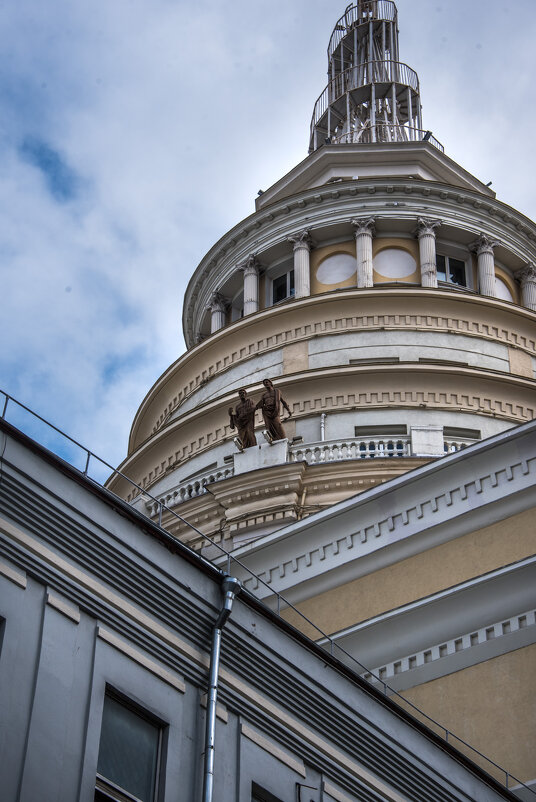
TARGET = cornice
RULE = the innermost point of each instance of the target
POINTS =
(205, 369)
(324, 206)
(483, 402)
(404, 516)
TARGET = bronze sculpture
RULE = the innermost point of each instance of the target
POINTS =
(243, 419)
(270, 405)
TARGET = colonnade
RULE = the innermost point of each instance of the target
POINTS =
(364, 230)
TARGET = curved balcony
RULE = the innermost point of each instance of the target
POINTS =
(381, 10)
(319, 453)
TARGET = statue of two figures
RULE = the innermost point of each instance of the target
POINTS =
(243, 417)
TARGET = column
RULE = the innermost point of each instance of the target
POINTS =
(527, 278)
(217, 305)
(483, 247)
(251, 271)
(427, 250)
(364, 230)
(302, 270)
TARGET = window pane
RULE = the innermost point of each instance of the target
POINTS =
(441, 268)
(128, 750)
(457, 272)
(279, 288)
(291, 283)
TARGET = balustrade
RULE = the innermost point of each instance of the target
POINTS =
(313, 454)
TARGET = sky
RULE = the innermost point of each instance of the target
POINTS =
(134, 133)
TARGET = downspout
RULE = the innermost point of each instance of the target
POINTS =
(230, 588)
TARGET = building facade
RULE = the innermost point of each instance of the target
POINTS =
(391, 298)
(105, 624)
(387, 293)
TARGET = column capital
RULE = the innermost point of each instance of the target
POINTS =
(302, 239)
(527, 274)
(217, 302)
(484, 244)
(366, 225)
(426, 226)
(251, 267)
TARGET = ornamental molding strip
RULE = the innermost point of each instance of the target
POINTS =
(358, 323)
(457, 653)
(458, 401)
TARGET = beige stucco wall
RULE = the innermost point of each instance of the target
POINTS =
(485, 708)
(435, 569)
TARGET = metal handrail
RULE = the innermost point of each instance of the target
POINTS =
(279, 599)
(385, 10)
(387, 132)
(361, 75)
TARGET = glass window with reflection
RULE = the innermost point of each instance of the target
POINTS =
(283, 287)
(129, 750)
(451, 270)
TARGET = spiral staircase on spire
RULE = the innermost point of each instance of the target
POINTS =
(371, 95)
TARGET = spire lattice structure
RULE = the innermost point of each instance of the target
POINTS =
(371, 95)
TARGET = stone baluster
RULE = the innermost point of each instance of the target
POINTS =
(302, 270)
(483, 247)
(427, 250)
(527, 278)
(251, 271)
(364, 231)
(217, 305)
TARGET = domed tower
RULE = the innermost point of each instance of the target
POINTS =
(382, 288)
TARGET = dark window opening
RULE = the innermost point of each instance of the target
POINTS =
(451, 270)
(283, 287)
(129, 750)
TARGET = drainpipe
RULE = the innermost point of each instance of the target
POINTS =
(230, 588)
(322, 427)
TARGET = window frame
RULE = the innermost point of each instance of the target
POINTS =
(283, 268)
(106, 786)
(459, 253)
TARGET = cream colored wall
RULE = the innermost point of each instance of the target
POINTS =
(485, 707)
(436, 569)
(327, 314)
(512, 285)
(410, 246)
(317, 257)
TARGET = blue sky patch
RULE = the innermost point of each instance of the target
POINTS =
(62, 182)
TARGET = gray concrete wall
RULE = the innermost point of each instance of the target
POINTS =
(90, 599)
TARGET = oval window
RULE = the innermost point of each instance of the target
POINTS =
(336, 268)
(394, 263)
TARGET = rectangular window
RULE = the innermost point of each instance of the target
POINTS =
(451, 270)
(283, 287)
(129, 753)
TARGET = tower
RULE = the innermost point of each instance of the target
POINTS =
(391, 299)
(387, 293)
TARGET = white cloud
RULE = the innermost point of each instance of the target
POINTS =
(171, 116)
